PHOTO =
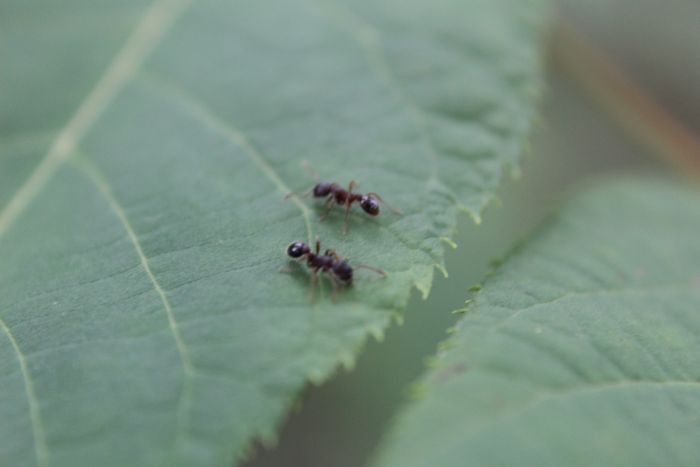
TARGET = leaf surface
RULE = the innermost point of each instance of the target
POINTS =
(145, 149)
(581, 349)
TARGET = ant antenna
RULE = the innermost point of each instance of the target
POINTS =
(303, 194)
(377, 270)
(393, 209)
(305, 164)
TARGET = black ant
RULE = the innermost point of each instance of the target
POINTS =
(338, 269)
(337, 195)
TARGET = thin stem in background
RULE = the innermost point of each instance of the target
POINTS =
(636, 110)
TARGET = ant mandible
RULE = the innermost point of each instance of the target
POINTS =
(337, 195)
(338, 269)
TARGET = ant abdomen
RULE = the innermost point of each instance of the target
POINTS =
(370, 205)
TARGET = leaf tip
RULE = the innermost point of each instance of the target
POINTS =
(424, 289)
(451, 243)
(473, 213)
(269, 439)
(315, 376)
(377, 332)
(347, 360)
(446, 345)
(475, 217)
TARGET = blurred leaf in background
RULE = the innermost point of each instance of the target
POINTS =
(655, 42)
(582, 349)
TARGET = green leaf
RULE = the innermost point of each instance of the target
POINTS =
(144, 154)
(582, 349)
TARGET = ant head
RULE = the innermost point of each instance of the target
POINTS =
(370, 205)
(298, 249)
(343, 271)
(322, 189)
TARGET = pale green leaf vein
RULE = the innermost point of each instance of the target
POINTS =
(154, 24)
(546, 397)
(233, 134)
(650, 289)
(202, 114)
(40, 447)
(98, 179)
(609, 386)
(199, 111)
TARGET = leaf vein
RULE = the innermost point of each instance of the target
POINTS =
(157, 20)
(40, 447)
(201, 113)
(544, 397)
(589, 293)
(97, 178)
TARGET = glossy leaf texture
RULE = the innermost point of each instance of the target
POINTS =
(582, 349)
(145, 149)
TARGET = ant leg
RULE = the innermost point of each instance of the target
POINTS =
(377, 270)
(318, 245)
(312, 291)
(285, 270)
(334, 283)
(330, 204)
(348, 203)
(345, 216)
(375, 195)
